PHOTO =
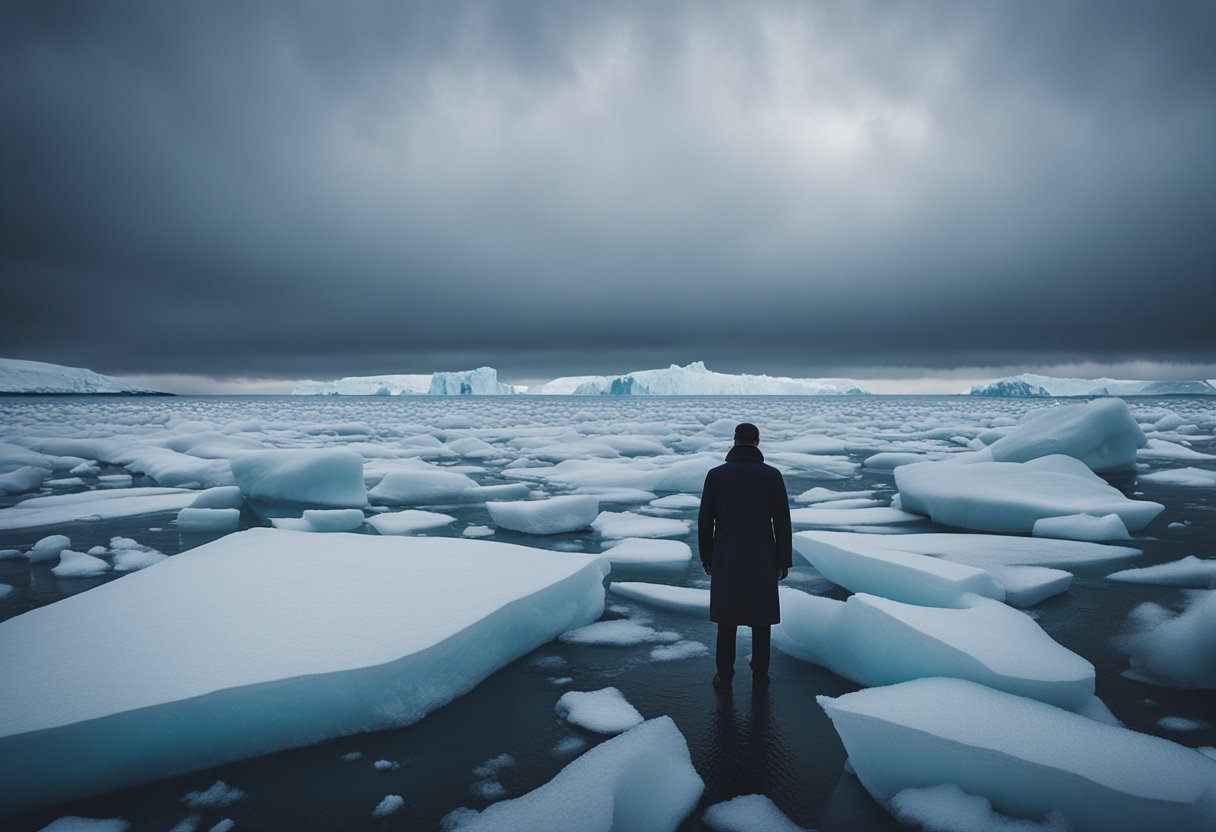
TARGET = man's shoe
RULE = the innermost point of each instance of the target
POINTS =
(721, 685)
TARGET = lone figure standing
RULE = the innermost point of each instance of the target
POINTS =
(743, 532)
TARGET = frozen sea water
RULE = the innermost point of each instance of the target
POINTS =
(778, 745)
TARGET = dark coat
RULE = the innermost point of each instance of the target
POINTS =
(743, 531)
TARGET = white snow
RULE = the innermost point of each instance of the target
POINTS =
(18, 376)
(618, 525)
(62, 509)
(410, 521)
(645, 551)
(219, 795)
(884, 516)
(1191, 571)
(329, 478)
(1025, 757)
(422, 484)
(555, 515)
(1030, 384)
(1177, 651)
(640, 781)
(749, 813)
(985, 550)
(48, 548)
(900, 576)
(1102, 433)
(604, 711)
(1011, 496)
(329, 635)
(987, 642)
(79, 565)
(1082, 527)
(208, 520)
(620, 632)
(683, 599)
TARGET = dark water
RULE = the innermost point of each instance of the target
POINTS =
(779, 744)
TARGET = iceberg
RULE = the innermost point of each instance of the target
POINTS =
(423, 484)
(642, 781)
(1031, 385)
(38, 377)
(1026, 758)
(328, 478)
(555, 515)
(696, 380)
(1011, 496)
(1103, 434)
(875, 641)
(389, 385)
(170, 669)
(480, 382)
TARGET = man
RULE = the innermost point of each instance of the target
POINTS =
(743, 531)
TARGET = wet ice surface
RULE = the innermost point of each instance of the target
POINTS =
(628, 452)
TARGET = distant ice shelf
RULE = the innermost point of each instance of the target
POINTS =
(1036, 386)
(696, 380)
(482, 381)
(37, 377)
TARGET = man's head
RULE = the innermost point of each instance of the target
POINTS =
(747, 434)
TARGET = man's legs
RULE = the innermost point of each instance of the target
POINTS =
(726, 651)
(761, 650)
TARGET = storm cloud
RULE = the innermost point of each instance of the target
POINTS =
(317, 189)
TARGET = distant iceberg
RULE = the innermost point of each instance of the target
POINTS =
(695, 380)
(1031, 385)
(480, 382)
(34, 377)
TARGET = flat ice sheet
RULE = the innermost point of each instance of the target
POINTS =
(985, 550)
(60, 509)
(324, 635)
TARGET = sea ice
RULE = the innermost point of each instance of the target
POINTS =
(425, 484)
(218, 796)
(19, 376)
(987, 642)
(1102, 433)
(646, 551)
(62, 509)
(604, 711)
(1160, 449)
(555, 515)
(330, 635)
(410, 521)
(323, 520)
(1191, 571)
(619, 632)
(72, 823)
(329, 478)
(48, 548)
(391, 804)
(79, 565)
(749, 813)
(947, 808)
(679, 650)
(642, 781)
(826, 495)
(208, 520)
(22, 480)
(900, 576)
(1025, 757)
(1186, 477)
(1011, 496)
(985, 550)
(1082, 527)
(1174, 651)
(617, 525)
(683, 599)
(815, 516)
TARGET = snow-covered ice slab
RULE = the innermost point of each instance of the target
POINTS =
(881, 516)
(107, 504)
(646, 551)
(328, 478)
(1025, 757)
(1177, 651)
(749, 813)
(1186, 477)
(642, 781)
(618, 525)
(177, 668)
(555, 515)
(410, 521)
(1103, 434)
(986, 550)
(1011, 496)
(1193, 572)
(684, 599)
(605, 711)
(900, 576)
(1082, 527)
(875, 641)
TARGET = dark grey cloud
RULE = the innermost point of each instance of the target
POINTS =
(314, 189)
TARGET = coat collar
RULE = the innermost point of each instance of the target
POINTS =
(744, 453)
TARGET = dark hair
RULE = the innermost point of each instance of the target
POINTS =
(747, 432)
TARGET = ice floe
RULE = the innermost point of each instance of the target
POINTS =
(604, 711)
(1026, 758)
(1177, 651)
(330, 478)
(646, 551)
(62, 509)
(555, 515)
(1082, 527)
(330, 635)
(1191, 571)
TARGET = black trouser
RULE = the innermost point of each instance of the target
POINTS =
(761, 638)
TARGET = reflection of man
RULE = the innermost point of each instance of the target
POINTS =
(744, 535)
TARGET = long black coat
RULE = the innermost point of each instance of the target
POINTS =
(743, 531)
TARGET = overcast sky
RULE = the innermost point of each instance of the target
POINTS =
(289, 190)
